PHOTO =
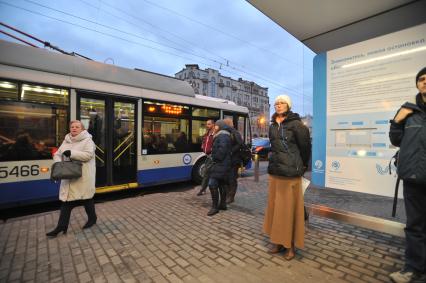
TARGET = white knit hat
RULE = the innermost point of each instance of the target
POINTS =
(285, 98)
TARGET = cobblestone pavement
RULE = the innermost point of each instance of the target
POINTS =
(362, 203)
(367, 204)
(167, 237)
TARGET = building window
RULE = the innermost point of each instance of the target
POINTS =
(213, 87)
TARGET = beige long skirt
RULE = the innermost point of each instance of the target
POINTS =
(284, 219)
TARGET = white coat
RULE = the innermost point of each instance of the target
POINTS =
(82, 149)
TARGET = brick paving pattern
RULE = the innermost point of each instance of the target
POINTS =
(167, 237)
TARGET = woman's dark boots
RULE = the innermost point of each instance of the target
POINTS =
(215, 201)
(89, 206)
(222, 203)
(64, 219)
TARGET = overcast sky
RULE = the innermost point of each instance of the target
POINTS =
(163, 35)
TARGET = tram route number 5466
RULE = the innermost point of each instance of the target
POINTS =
(19, 171)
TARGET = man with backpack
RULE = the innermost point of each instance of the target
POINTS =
(408, 131)
(236, 142)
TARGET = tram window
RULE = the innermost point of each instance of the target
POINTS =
(8, 90)
(198, 131)
(35, 93)
(226, 116)
(165, 135)
(240, 126)
(30, 131)
(205, 112)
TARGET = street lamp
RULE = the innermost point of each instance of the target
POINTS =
(260, 124)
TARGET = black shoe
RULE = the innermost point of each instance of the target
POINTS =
(419, 277)
(407, 275)
(222, 207)
(306, 212)
(212, 211)
(57, 230)
(89, 224)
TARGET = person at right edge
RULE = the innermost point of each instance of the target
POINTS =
(236, 142)
(284, 221)
(408, 132)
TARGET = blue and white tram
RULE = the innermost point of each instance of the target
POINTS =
(147, 127)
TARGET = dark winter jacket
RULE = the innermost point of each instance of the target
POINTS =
(410, 136)
(221, 155)
(290, 146)
(236, 142)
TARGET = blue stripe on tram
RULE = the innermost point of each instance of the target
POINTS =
(164, 175)
(23, 192)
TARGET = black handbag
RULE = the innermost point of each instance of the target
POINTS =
(65, 170)
(208, 164)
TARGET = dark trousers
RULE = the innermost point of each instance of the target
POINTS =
(67, 206)
(415, 229)
(231, 187)
(206, 175)
(205, 181)
(218, 191)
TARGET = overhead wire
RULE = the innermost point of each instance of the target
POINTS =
(221, 31)
(119, 30)
(129, 22)
(162, 30)
(94, 30)
(224, 64)
(18, 38)
(138, 43)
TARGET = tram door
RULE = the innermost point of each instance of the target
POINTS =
(239, 122)
(111, 122)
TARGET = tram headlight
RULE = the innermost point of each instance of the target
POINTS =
(44, 169)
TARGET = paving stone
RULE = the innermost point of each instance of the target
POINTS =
(166, 237)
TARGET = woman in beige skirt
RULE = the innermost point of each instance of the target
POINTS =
(290, 154)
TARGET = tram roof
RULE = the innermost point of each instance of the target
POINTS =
(329, 24)
(18, 55)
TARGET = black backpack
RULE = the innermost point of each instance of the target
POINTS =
(245, 154)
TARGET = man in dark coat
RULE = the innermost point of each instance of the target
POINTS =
(236, 142)
(408, 131)
(219, 171)
(206, 146)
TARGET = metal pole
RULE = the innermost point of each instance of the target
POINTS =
(17, 38)
(256, 167)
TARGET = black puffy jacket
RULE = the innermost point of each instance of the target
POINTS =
(221, 155)
(410, 136)
(236, 142)
(290, 147)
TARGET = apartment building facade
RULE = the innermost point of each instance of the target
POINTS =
(210, 82)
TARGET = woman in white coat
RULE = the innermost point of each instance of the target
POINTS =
(77, 145)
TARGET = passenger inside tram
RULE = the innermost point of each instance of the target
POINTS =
(24, 148)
